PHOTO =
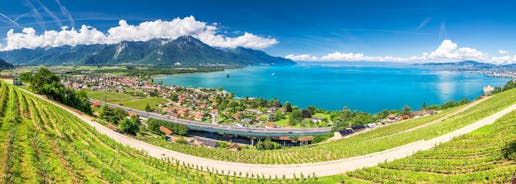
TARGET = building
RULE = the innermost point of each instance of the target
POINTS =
(200, 141)
(488, 90)
(168, 133)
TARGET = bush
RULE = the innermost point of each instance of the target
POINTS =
(509, 152)
(267, 144)
(130, 126)
(321, 138)
(223, 144)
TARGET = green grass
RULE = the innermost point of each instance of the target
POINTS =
(109, 96)
(141, 103)
(477, 157)
(322, 115)
(126, 100)
(375, 140)
(43, 143)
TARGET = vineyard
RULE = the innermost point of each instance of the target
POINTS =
(477, 157)
(42, 143)
(368, 142)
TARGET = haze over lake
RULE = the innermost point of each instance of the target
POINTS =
(366, 87)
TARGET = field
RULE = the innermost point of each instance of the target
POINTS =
(42, 143)
(127, 100)
(477, 157)
(109, 96)
(368, 142)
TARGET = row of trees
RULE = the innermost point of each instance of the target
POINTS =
(113, 115)
(47, 83)
(154, 124)
(118, 116)
(267, 144)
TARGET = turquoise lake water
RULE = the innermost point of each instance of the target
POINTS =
(366, 87)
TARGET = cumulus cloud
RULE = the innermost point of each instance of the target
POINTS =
(302, 57)
(447, 51)
(144, 31)
(503, 52)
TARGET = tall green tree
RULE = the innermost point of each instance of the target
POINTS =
(148, 108)
(288, 106)
(406, 110)
(130, 126)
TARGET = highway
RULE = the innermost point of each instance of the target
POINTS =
(229, 129)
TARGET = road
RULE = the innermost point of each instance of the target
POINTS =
(319, 169)
(230, 129)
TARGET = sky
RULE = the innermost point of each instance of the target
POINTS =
(322, 30)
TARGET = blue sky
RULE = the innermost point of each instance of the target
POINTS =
(316, 28)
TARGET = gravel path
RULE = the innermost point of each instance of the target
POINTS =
(319, 168)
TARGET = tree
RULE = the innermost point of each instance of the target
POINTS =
(278, 116)
(108, 115)
(267, 144)
(130, 126)
(312, 109)
(119, 113)
(339, 124)
(382, 114)
(174, 97)
(297, 115)
(423, 106)
(26, 77)
(288, 107)
(449, 104)
(43, 81)
(406, 110)
(148, 108)
(47, 83)
(306, 114)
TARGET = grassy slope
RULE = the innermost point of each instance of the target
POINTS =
(42, 143)
(127, 100)
(476, 157)
(368, 142)
(110, 96)
(141, 103)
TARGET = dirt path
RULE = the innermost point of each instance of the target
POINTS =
(319, 169)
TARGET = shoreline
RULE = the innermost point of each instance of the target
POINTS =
(163, 79)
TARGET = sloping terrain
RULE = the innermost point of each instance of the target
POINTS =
(483, 156)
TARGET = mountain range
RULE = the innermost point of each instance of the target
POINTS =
(185, 50)
(468, 64)
(5, 65)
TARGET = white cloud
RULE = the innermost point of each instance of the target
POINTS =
(447, 51)
(302, 57)
(503, 52)
(142, 32)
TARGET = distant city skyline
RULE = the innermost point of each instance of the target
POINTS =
(401, 31)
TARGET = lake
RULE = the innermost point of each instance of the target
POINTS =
(369, 87)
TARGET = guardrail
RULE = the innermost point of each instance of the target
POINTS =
(229, 129)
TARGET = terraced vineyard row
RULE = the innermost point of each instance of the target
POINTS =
(368, 142)
(42, 143)
(477, 157)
